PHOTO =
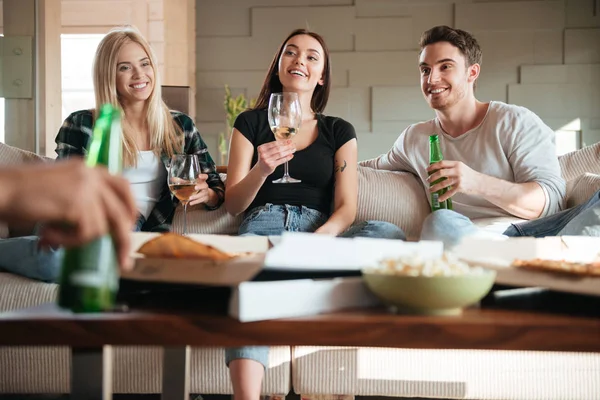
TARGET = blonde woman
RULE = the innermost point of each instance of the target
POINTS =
(126, 76)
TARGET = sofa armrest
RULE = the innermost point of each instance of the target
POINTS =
(13, 156)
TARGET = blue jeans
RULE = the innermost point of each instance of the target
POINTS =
(582, 220)
(22, 256)
(272, 219)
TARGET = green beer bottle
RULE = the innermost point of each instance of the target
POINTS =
(435, 155)
(89, 277)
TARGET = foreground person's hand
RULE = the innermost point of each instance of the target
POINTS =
(75, 203)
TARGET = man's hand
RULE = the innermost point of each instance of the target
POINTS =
(524, 200)
(76, 203)
(459, 178)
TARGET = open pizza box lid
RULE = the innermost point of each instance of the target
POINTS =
(499, 254)
(201, 271)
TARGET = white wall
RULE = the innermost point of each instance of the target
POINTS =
(542, 54)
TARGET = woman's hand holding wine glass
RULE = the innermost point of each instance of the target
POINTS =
(201, 195)
(273, 154)
(182, 179)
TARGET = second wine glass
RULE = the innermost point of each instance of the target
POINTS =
(183, 174)
(284, 115)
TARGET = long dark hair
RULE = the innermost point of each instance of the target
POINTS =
(272, 84)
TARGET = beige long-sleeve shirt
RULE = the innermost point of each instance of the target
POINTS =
(511, 143)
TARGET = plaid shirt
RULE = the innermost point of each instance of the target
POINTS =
(74, 138)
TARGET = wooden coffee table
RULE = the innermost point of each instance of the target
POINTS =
(91, 335)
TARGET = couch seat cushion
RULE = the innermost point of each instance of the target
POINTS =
(448, 374)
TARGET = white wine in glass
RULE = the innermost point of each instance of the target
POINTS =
(283, 132)
(284, 115)
(182, 177)
(183, 191)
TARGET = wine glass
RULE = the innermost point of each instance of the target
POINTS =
(182, 177)
(284, 115)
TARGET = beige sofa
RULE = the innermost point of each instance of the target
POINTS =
(383, 195)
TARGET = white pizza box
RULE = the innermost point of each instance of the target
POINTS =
(310, 252)
(499, 253)
(256, 301)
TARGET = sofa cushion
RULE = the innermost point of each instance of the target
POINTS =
(392, 196)
(581, 169)
(455, 374)
(580, 189)
(202, 221)
(18, 292)
(579, 162)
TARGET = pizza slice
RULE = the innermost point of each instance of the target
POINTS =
(172, 245)
(560, 266)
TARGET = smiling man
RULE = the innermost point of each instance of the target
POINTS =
(499, 158)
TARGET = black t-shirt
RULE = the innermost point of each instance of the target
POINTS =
(312, 165)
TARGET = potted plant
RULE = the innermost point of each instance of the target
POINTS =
(233, 107)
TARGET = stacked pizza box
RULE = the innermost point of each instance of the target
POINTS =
(562, 263)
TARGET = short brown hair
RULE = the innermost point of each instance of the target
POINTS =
(462, 40)
(273, 85)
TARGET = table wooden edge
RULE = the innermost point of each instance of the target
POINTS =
(46, 325)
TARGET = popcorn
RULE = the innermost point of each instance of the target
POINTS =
(415, 265)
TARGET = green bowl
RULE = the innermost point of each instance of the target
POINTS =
(437, 295)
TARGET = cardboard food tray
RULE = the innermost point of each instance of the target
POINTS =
(203, 272)
(499, 255)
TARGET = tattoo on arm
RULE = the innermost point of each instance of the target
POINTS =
(337, 166)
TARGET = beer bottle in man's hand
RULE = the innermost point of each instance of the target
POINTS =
(89, 277)
(435, 155)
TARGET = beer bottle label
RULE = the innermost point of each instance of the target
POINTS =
(435, 200)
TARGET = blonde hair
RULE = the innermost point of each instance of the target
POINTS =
(165, 134)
